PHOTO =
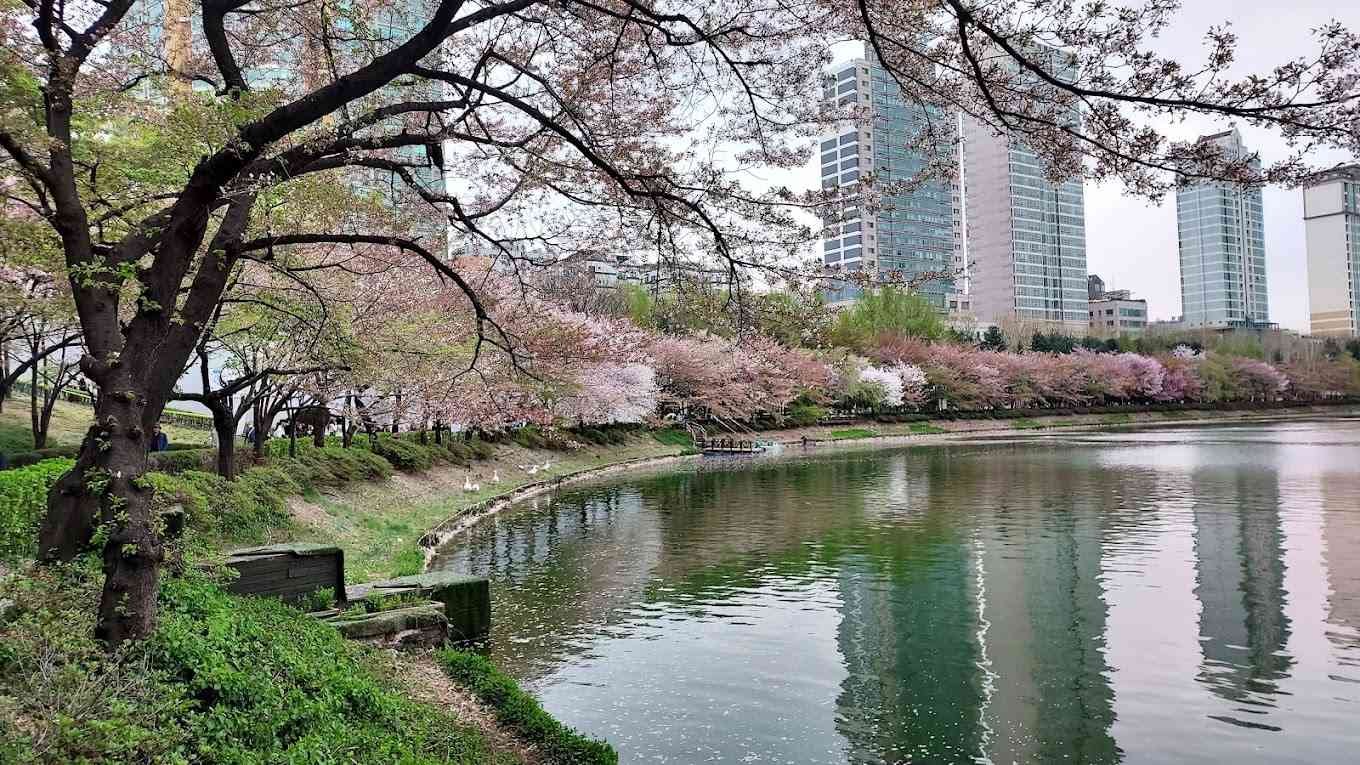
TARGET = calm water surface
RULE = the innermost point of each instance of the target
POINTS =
(1186, 594)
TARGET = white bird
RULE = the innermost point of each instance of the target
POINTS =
(547, 464)
(476, 487)
(530, 469)
(467, 484)
(496, 476)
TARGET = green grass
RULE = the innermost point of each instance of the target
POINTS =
(379, 526)
(224, 679)
(674, 437)
(518, 710)
(925, 429)
(69, 423)
(1117, 419)
(849, 433)
(1025, 423)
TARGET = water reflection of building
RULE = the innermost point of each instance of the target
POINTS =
(985, 642)
(906, 634)
(1340, 493)
(1038, 571)
(1240, 584)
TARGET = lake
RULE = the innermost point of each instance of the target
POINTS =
(1187, 594)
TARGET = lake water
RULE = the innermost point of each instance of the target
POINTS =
(1181, 594)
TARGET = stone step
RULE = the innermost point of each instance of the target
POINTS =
(419, 624)
(466, 599)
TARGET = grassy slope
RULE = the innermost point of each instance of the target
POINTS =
(69, 422)
(378, 523)
(224, 679)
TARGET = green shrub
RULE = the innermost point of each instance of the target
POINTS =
(804, 414)
(406, 456)
(483, 450)
(23, 500)
(520, 711)
(530, 437)
(223, 679)
(409, 561)
(244, 510)
(33, 457)
(925, 428)
(320, 600)
(459, 451)
(180, 460)
(332, 466)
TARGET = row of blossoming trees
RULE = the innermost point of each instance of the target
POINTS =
(544, 364)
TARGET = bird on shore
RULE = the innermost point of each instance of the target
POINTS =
(530, 469)
(468, 485)
(496, 476)
(547, 464)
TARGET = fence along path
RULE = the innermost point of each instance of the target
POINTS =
(179, 417)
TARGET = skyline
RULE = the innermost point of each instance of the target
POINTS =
(1131, 242)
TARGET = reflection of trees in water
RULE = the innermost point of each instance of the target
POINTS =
(563, 571)
(1239, 559)
(962, 643)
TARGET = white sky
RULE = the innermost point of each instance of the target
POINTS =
(1131, 243)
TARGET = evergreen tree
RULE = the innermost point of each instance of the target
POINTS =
(993, 339)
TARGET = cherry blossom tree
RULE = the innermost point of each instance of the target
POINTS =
(611, 392)
(166, 153)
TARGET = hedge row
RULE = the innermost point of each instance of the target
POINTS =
(23, 497)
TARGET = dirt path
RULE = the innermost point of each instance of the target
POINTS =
(421, 678)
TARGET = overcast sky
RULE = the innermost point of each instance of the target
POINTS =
(1131, 243)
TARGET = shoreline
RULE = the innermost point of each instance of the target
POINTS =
(432, 540)
(962, 431)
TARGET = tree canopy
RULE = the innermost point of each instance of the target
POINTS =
(438, 152)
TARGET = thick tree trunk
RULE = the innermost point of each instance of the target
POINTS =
(72, 508)
(132, 552)
(109, 474)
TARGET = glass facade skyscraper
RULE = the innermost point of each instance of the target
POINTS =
(1222, 248)
(1026, 234)
(907, 220)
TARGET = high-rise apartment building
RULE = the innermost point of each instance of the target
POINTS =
(911, 224)
(1331, 224)
(1222, 248)
(1026, 234)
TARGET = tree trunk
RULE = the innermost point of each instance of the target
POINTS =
(39, 435)
(68, 526)
(224, 425)
(44, 421)
(109, 471)
(132, 552)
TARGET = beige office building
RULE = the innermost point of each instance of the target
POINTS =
(1331, 224)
